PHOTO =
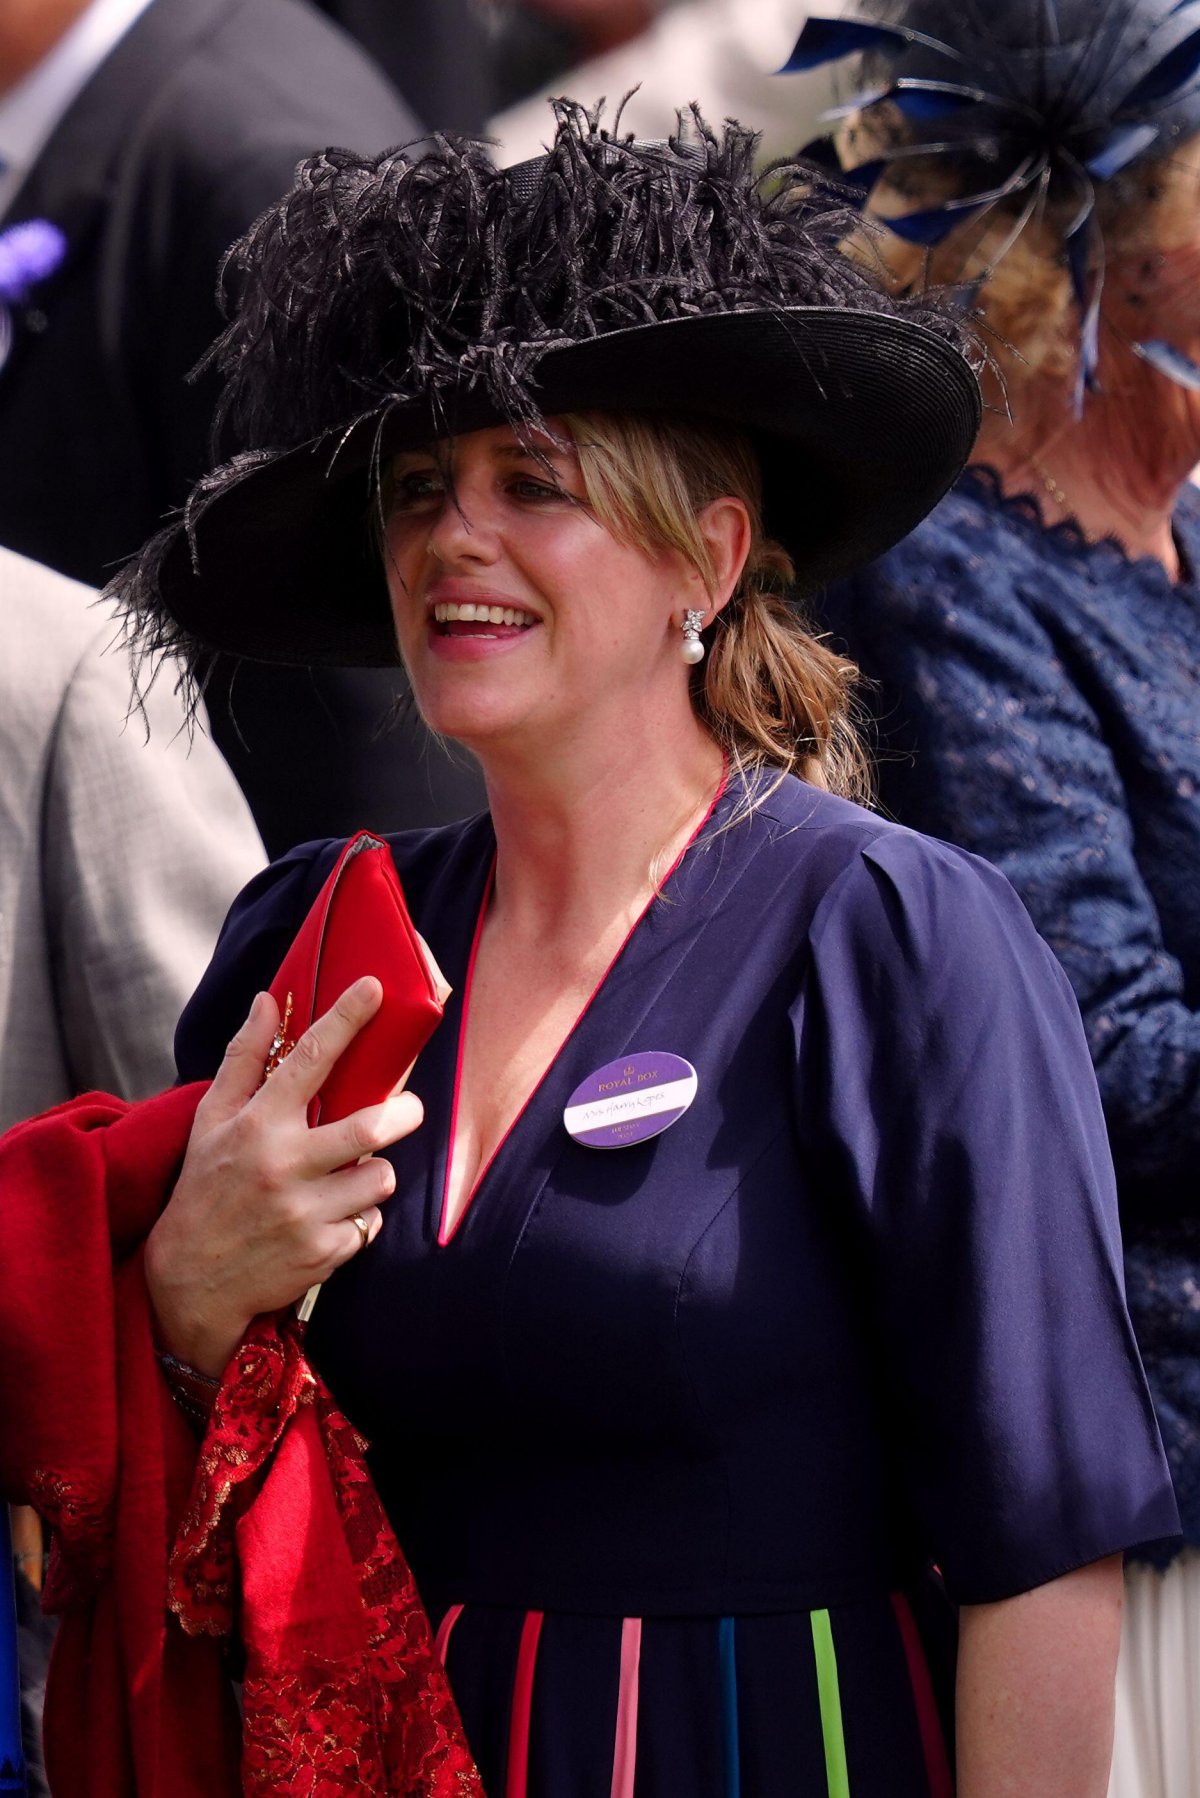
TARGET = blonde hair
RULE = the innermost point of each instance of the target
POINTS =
(769, 690)
(1026, 302)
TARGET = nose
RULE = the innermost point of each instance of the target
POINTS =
(463, 533)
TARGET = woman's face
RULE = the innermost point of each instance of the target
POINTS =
(516, 611)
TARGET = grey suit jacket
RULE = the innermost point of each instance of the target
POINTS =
(118, 856)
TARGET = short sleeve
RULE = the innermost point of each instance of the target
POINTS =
(254, 938)
(944, 1071)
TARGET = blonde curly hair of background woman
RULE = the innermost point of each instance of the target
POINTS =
(1026, 304)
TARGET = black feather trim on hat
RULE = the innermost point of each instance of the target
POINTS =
(387, 278)
(384, 282)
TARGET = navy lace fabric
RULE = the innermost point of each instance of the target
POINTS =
(1039, 703)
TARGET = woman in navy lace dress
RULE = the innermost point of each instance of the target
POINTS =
(1037, 647)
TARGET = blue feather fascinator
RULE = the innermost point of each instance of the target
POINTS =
(1026, 101)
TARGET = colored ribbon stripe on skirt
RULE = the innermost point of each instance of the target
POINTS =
(522, 1704)
(729, 1707)
(837, 1774)
(843, 1702)
(933, 1742)
(625, 1748)
(441, 1641)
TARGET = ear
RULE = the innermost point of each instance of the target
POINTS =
(725, 526)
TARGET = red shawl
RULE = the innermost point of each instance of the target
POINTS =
(270, 1543)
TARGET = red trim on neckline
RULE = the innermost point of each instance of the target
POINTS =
(445, 1236)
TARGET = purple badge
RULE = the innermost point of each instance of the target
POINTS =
(629, 1100)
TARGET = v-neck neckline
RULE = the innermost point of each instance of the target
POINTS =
(446, 1236)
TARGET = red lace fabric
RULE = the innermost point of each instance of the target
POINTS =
(343, 1691)
(81, 1526)
(281, 1554)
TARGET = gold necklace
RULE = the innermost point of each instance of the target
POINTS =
(1052, 488)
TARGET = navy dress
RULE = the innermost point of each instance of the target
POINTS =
(674, 1434)
(1039, 699)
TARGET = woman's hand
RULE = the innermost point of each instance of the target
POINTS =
(263, 1205)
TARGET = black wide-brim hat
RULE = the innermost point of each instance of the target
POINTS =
(614, 277)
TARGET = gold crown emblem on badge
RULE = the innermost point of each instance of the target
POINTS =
(629, 1069)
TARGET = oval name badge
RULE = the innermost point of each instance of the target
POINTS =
(630, 1100)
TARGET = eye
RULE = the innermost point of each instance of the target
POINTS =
(527, 486)
(414, 486)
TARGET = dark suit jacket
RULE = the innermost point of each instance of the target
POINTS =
(190, 128)
(439, 53)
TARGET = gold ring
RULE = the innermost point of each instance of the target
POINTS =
(361, 1225)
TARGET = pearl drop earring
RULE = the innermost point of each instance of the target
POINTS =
(693, 649)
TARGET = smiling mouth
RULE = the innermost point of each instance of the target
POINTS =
(467, 620)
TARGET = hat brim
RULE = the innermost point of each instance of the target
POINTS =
(862, 422)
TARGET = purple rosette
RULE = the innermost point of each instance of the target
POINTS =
(29, 252)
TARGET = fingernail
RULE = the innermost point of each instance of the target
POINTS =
(256, 1008)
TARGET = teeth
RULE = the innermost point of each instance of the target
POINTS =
(447, 612)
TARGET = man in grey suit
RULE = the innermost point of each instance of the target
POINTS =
(119, 857)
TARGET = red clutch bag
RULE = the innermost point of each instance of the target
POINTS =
(359, 924)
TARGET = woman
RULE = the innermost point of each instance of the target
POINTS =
(1037, 642)
(670, 1428)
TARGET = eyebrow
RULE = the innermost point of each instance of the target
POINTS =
(513, 452)
(548, 452)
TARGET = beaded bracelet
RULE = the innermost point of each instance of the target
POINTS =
(194, 1392)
